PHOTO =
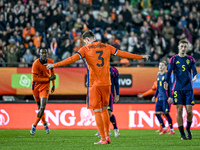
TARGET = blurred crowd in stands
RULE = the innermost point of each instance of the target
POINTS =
(151, 27)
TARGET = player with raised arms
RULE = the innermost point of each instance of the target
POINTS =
(97, 58)
(40, 86)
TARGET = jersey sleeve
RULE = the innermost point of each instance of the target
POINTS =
(112, 49)
(128, 55)
(170, 67)
(81, 51)
(116, 83)
(34, 69)
(53, 73)
(72, 59)
(117, 52)
(194, 70)
(156, 94)
(170, 89)
(68, 61)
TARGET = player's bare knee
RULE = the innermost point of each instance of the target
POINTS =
(179, 112)
(189, 113)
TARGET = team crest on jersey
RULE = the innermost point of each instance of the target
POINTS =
(163, 78)
(177, 62)
(188, 61)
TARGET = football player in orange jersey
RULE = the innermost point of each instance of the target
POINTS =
(40, 86)
(97, 58)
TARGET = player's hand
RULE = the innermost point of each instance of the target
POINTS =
(153, 99)
(194, 79)
(52, 89)
(165, 85)
(52, 78)
(169, 100)
(49, 66)
(140, 95)
(146, 57)
(116, 99)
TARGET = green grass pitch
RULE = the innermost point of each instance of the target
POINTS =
(57, 139)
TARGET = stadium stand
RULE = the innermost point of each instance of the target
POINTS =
(139, 26)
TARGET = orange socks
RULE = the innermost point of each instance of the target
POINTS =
(106, 120)
(100, 124)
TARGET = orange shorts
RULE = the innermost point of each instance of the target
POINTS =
(98, 97)
(40, 92)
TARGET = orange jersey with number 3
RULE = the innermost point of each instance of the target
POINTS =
(97, 58)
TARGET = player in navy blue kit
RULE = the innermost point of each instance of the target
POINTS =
(182, 90)
(162, 105)
(114, 96)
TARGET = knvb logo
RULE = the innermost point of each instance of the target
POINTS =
(21, 80)
(4, 117)
(25, 81)
(125, 80)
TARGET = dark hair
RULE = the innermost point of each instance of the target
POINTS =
(43, 48)
(182, 42)
(88, 33)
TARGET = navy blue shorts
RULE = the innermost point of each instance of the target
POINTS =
(163, 106)
(183, 97)
(110, 106)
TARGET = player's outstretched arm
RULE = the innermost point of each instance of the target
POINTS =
(131, 56)
(140, 95)
(146, 57)
(149, 92)
(49, 66)
(65, 62)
